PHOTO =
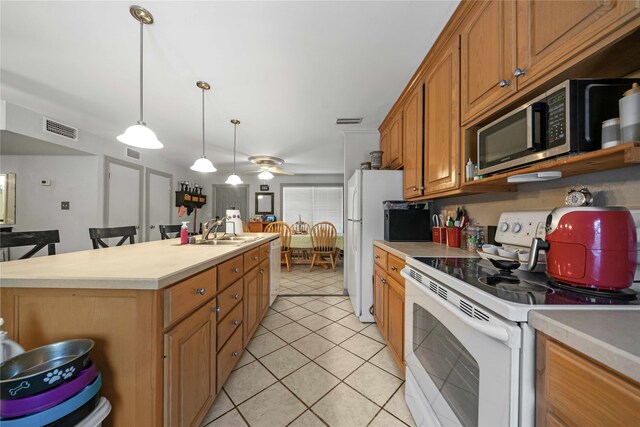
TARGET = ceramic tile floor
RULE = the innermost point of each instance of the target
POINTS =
(301, 281)
(312, 363)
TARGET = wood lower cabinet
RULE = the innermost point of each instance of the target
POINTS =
(264, 281)
(251, 304)
(190, 367)
(388, 301)
(574, 390)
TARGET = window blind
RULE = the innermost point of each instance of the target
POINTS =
(313, 204)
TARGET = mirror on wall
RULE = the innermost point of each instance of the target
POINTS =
(264, 203)
(7, 198)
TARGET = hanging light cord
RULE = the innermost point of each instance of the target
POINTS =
(141, 73)
(203, 123)
(235, 126)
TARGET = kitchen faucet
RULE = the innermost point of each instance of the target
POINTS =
(215, 224)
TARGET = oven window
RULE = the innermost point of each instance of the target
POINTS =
(451, 367)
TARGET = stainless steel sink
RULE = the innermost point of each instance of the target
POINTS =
(238, 238)
(219, 242)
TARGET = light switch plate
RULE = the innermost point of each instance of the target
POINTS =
(65, 206)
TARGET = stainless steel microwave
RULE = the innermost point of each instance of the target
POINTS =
(565, 119)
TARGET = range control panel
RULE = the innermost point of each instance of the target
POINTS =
(519, 228)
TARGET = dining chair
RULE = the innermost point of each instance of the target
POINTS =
(285, 237)
(245, 227)
(323, 242)
(166, 229)
(97, 234)
(37, 239)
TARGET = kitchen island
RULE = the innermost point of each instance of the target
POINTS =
(169, 321)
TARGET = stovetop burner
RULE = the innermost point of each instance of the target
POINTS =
(525, 287)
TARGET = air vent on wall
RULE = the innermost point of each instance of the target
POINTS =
(60, 129)
(349, 121)
(133, 154)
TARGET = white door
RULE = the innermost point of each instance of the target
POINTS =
(159, 205)
(123, 195)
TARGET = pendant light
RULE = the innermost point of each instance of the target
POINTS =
(203, 164)
(234, 179)
(265, 175)
(139, 135)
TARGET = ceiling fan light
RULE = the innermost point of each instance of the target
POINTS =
(233, 180)
(139, 135)
(264, 175)
(203, 165)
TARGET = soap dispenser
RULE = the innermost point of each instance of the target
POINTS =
(184, 233)
(9, 348)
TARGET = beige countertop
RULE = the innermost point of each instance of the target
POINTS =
(611, 337)
(151, 265)
(411, 249)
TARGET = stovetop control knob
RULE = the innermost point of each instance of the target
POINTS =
(516, 227)
(504, 226)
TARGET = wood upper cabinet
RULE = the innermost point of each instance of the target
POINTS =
(251, 304)
(413, 143)
(395, 318)
(550, 33)
(395, 143)
(487, 56)
(190, 367)
(442, 123)
(574, 390)
(384, 146)
(379, 298)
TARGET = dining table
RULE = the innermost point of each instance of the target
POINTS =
(301, 249)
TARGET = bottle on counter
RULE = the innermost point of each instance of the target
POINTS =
(470, 170)
(184, 233)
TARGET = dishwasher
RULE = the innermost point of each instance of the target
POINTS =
(274, 279)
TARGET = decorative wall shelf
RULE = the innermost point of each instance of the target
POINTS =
(194, 200)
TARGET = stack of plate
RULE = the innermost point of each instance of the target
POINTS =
(52, 385)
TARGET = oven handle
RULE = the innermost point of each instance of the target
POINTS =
(496, 332)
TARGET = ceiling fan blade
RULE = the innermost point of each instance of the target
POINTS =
(279, 171)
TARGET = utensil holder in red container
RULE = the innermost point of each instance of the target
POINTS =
(439, 235)
(453, 236)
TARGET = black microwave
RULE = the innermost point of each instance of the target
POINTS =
(565, 119)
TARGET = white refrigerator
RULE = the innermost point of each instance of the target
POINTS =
(367, 189)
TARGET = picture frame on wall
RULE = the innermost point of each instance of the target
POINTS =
(264, 203)
(264, 187)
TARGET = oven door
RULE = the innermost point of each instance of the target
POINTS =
(462, 360)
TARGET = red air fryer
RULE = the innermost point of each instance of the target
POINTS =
(592, 247)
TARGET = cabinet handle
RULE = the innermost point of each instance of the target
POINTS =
(504, 83)
(262, 270)
(217, 309)
(235, 269)
(255, 258)
(235, 296)
(519, 72)
(234, 354)
(200, 291)
(235, 323)
(394, 268)
(415, 188)
(384, 282)
(377, 256)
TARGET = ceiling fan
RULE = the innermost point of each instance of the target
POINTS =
(268, 165)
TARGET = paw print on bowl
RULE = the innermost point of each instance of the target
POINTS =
(53, 376)
(68, 372)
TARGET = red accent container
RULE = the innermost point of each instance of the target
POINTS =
(453, 236)
(439, 235)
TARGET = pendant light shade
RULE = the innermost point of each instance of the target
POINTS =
(139, 135)
(203, 164)
(265, 175)
(233, 178)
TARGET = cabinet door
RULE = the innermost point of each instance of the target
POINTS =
(265, 283)
(488, 56)
(442, 127)
(395, 320)
(190, 367)
(379, 298)
(413, 141)
(384, 147)
(251, 304)
(395, 142)
(550, 33)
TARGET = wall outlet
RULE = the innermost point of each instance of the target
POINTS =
(45, 182)
(65, 206)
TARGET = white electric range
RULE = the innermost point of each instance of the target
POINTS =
(470, 352)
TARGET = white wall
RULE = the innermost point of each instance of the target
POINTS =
(73, 179)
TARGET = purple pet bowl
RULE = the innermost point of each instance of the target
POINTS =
(48, 399)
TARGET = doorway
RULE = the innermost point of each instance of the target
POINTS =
(227, 196)
(159, 191)
(123, 194)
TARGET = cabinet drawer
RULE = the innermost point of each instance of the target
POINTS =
(184, 297)
(394, 266)
(228, 298)
(265, 251)
(228, 325)
(230, 271)
(228, 356)
(380, 257)
(251, 258)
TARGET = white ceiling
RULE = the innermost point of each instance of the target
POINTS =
(286, 70)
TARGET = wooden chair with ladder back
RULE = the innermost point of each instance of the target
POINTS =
(125, 233)
(166, 229)
(38, 239)
(323, 242)
(285, 237)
